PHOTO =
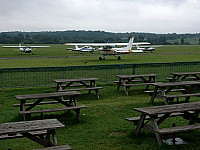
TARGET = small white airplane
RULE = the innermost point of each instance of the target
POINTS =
(107, 49)
(82, 49)
(25, 49)
(147, 48)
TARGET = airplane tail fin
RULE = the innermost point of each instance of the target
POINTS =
(76, 47)
(20, 45)
(130, 43)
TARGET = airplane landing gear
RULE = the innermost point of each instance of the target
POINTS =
(100, 58)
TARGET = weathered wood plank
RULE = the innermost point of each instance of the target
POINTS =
(181, 95)
(62, 147)
(81, 89)
(75, 80)
(29, 126)
(41, 103)
(46, 95)
(178, 129)
(52, 110)
(154, 110)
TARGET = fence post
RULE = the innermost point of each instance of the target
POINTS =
(1, 82)
(171, 67)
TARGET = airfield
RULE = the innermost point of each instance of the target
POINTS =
(57, 55)
(102, 125)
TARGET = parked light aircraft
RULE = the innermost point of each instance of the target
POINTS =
(82, 49)
(25, 49)
(147, 48)
(107, 49)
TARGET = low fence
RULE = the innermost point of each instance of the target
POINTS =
(44, 76)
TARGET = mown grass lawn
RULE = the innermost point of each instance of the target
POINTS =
(102, 125)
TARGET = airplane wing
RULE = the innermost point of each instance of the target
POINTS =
(151, 46)
(24, 46)
(97, 44)
(13, 46)
(38, 46)
(106, 44)
(141, 43)
(137, 51)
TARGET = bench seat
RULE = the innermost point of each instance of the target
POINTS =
(170, 79)
(62, 147)
(41, 103)
(178, 129)
(136, 119)
(75, 108)
(135, 84)
(173, 90)
(96, 89)
(181, 95)
(36, 133)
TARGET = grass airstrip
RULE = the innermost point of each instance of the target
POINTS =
(102, 125)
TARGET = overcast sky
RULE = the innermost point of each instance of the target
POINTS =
(155, 16)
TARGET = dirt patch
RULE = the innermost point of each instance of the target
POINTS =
(117, 133)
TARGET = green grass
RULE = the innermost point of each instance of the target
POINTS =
(102, 125)
(162, 54)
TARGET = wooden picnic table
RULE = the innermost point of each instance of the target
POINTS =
(127, 81)
(82, 84)
(152, 117)
(180, 76)
(43, 99)
(39, 131)
(161, 90)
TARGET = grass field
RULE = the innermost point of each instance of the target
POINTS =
(162, 54)
(102, 125)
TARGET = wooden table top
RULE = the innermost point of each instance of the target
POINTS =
(75, 80)
(46, 95)
(29, 126)
(154, 110)
(137, 75)
(162, 84)
(185, 73)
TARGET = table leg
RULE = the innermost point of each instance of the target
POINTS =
(54, 137)
(119, 84)
(154, 95)
(155, 127)
(140, 123)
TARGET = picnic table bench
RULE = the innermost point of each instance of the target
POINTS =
(181, 76)
(127, 81)
(39, 99)
(152, 117)
(39, 131)
(88, 84)
(62, 147)
(165, 90)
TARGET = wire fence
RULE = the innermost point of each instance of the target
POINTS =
(45, 76)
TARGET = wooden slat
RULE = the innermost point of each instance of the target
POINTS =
(41, 103)
(132, 119)
(181, 95)
(154, 110)
(183, 83)
(75, 80)
(178, 129)
(29, 126)
(52, 110)
(62, 147)
(82, 89)
(18, 135)
(135, 76)
(46, 95)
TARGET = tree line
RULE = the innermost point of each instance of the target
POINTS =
(82, 36)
